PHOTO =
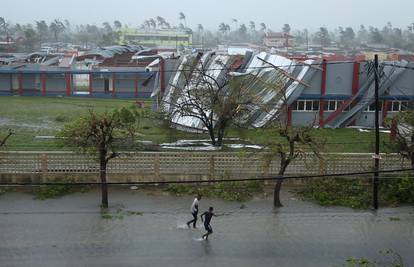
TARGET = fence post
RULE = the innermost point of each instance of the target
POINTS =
(43, 166)
(322, 166)
(157, 167)
(212, 168)
(266, 166)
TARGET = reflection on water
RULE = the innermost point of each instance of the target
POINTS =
(70, 230)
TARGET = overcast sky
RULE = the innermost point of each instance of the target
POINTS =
(274, 13)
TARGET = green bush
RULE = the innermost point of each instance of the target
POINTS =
(230, 191)
(357, 193)
(61, 118)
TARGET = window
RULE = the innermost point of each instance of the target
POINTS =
(397, 106)
(315, 105)
(309, 105)
(333, 105)
(330, 105)
(305, 105)
(371, 108)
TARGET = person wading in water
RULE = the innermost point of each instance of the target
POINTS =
(194, 211)
(207, 218)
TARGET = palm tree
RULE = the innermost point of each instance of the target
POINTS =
(286, 28)
(200, 30)
(4, 27)
(263, 27)
(42, 30)
(236, 23)
(182, 17)
(252, 26)
(56, 27)
(222, 28)
(161, 21)
(107, 27)
(117, 24)
(243, 30)
(152, 23)
(228, 29)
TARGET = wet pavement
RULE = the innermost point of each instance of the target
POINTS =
(69, 231)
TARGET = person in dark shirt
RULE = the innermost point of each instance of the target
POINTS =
(207, 218)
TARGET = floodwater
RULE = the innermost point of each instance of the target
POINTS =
(69, 231)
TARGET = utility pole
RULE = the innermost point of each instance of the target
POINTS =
(377, 138)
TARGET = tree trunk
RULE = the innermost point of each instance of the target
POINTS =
(276, 194)
(104, 186)
(212, 137)
(220, 133)
(220, 136)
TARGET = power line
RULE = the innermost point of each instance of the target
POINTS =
(265, 178)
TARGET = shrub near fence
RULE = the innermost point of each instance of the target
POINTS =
(161, 166)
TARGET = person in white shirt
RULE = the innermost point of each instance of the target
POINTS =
(194, 211)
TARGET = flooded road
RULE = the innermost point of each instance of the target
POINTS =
(69, 231)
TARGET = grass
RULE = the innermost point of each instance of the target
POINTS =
(335, 140)
(44, 116)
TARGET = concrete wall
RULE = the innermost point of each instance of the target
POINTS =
(55, 83)
(367, 119)
(5, 82)
(305, 118)
(124, 84)
(404, 86)
(339, 79)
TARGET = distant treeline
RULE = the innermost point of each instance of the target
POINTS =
(30, 36)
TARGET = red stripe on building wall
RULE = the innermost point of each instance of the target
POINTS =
(289, 116)
(162, 76)
(323, 92)
(68, 84)
(355, 78)
(43, 80)
(113, 85)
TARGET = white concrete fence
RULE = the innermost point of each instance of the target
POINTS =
(212, 164)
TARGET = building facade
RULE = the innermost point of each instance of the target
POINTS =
(161, 38)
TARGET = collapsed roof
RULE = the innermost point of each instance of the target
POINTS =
(269, 69)
(110, 51)
(292, 78)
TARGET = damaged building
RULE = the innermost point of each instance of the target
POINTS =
(323, 93)
(104, 72)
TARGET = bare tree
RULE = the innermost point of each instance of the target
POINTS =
(4, 139)
(403, 135)
(216, 103)
(288, 143)
(97, 135)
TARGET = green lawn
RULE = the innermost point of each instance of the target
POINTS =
(44, 116)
